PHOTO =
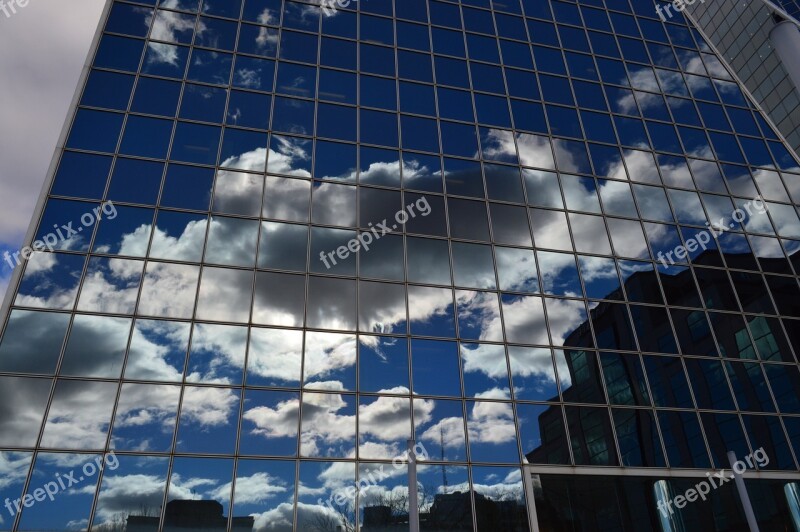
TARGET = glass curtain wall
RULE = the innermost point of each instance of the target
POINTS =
(284, 238)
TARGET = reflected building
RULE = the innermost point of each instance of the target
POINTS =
(749, 38)
(300, 236)
(451, 511)
(190, 515)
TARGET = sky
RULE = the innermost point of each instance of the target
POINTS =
(42, 49)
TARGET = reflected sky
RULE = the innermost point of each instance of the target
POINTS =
(201, 322)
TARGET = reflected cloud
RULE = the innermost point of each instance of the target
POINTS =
(387, 418)
(208, 407)
(221, 347)
(277, 422)
(275, 354)
(111, 286)
(120, 494)
(145, 417)
(80, 415)
(479, 315)
(524, 320)
(492, 422)
(50, 281)
(13, 468)
(487, 359)
(164, 54)
(535, 150)
(238, 192)
(173, 27)
(328, 423)
(327, 354)
(22, 405)
(290, 156)
(157, 351)
(168, 290)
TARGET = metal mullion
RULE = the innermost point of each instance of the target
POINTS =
(689, 271)
(781, 320)
(357, 185)
(306, 274)
(192, 318)
(789, 440)
(640, 218)
(696, 410)
(405, 236)
(651, 261)
(355, 396)
(651, 472)
(407, 332)
(74, 310)
(529, 490)
(540, 291)
(550, 138)
(772, 395)
(528, 207)
(465, 415)
(144, 262)
(652, 408)
(15, 283)
(121, 383)
(240, 416)
(529, 494)
(36, 450)
(766, 414)
(655, 410)
(740, 312)
(781, 242)
(567, 211)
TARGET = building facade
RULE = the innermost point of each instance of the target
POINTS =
(742, 33)
(555, 244)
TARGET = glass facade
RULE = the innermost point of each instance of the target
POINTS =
(791, 7)
(282, 239)
(741, 33)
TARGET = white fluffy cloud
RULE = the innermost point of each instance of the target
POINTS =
(280, 421)
(13, 468)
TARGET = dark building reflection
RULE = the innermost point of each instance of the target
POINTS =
(567, 503)
(452, 511)
(191, 515)
(618, 379)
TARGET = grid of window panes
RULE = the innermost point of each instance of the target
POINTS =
(741, 34)
(790, 6)
(554, 158)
